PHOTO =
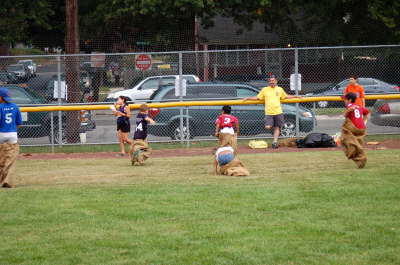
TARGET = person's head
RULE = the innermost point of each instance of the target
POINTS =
(144, 108)
(122, 100)
(350, 98)
(4, 95)
(353, 79)
(226, 109)
(272, 81)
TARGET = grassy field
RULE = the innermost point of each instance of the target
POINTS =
(296, 208)
(329, 111)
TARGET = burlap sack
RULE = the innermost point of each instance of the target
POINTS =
(234, 168)
(226, 139)
(352, 140)
(9, 153)
(140, 151)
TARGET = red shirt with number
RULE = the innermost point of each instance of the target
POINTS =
(356, 115)
(226, 120)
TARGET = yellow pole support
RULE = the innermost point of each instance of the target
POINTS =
(196, 103)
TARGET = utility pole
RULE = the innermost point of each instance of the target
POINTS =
(72, 72)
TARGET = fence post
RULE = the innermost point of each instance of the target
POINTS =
(180, 98)
(315, 116)
(59, 100)
(187, 127)
(296, 85)
(52, 131)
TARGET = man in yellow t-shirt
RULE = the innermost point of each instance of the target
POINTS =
(272, 96)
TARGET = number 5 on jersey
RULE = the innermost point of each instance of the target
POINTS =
(8, 118)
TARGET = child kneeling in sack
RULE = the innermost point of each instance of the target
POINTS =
(225, 163)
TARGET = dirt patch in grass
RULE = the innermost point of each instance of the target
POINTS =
(387, 144)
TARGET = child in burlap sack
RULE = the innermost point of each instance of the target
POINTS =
(9, 153)
(10, 120)
(140, 150)
(226, 163)
(227, 128)
(354, 130)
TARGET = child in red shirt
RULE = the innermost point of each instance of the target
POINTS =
(357, 114)
(354, 130)
(227, 128)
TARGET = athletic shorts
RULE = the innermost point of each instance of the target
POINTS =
(274, 120)
(10, 137)
(224, 159)
(123, 126)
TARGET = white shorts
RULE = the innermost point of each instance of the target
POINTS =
(10, 137)
(228, 130)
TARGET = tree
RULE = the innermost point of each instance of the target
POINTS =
(17, 16)
(72, 66)
(337, 22)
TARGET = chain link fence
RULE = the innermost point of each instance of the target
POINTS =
(210, 75)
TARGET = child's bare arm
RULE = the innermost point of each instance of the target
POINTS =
(366, 118)
(150, 120)
(127, 111)
(237, 128)
(217, 130)
(347, 111)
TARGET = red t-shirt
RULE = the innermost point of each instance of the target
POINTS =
(356, 116)
(226, 120)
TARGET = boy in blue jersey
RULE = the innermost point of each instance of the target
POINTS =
(10, 120)
(140, 150)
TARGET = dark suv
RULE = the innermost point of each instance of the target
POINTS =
(38, 124)
(202, 118)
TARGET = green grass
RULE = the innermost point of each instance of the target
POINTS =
(329, 111)
(157, 146)
(103, 93)
(296, 208)
(112, 147)
(15, 51)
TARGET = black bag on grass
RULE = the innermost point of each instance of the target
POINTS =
(314, 140)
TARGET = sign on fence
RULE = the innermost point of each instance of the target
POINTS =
(180, 87)
(293, 82)
(143, 62)
(63, 90)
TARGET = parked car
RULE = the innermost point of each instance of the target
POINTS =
(38, 124)
(202, 118)
(31, 66)
(20, 70)
(8, 78)
(144, 89)
(13, 77)
(85, 86)
(386, 113)
(5, 78)
(371, 86)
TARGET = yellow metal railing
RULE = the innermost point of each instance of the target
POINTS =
(197, 103)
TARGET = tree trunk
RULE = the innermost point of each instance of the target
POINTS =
(4, 49)
(72, 68)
